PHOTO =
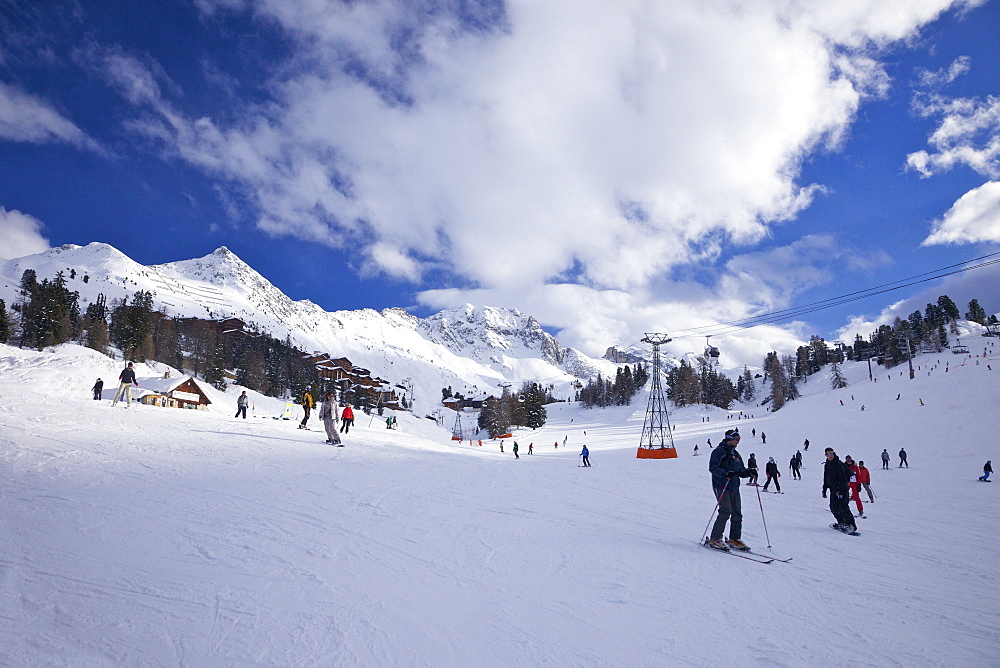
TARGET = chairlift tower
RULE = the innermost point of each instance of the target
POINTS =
(657, 437)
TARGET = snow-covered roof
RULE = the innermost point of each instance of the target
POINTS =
(164, 385)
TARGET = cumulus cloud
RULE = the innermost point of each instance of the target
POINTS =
(20, 235)
(968, 133)
(975, 217)
(545, 152)
(28, 118)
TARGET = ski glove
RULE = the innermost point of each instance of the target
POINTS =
(730, 474)
(824, 493)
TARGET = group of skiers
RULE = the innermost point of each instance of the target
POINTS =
(842, 479)
(330, 414)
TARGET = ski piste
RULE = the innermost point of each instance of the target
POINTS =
(760, 559)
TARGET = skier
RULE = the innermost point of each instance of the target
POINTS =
(727, 468)
(585, 454)
(388, 422)
(753, 432)
(798, 456)
(346, 419)
(501, 447)
(763, 437)
(771, 469)
(695, 449)
(97, 389)
(127, 378)
(865, 477)
(902, 459)
(854, 485)
(307, 406)
(329, 414)
(241, 405)
(805, 445)
(516, 456)
(531, 448)
(835, 479)
(752, 467)
(885, 459)
(987, 470)
(794, 466)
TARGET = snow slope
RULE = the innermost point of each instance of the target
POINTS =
(151, 536)
(471, 349)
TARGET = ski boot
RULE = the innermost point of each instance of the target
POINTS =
(737, 544)
(716, 544)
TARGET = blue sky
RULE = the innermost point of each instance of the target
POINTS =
(611, 168)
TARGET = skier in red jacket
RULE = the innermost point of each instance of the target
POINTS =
(855, 485)
(865, 477)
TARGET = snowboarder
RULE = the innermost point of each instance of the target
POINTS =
(329, 414)
(865, 477)
(97, 389)
(127, 378)
(794, 466)
(987, 470)
(836, 479)
(307, 406)
(805, 445)
(241, 404)
(771, 469)
(902, 459)
(752, 467)
(585, 455)
(885, 459)
(854, 484)
(346, 419)
(516, 456)
(726, 467)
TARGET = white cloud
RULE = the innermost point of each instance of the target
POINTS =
(975, 217)
(565, 152)
(20, 235)
(968, 134)
(943, 77)
(28, 118)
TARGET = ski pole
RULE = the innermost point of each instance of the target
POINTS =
(762, 519)
(717, 502)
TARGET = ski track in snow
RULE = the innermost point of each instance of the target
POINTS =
(161, 536)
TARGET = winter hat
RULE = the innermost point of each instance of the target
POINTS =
(848, 459)
(770, 459)
(829, 450)
(732, 433)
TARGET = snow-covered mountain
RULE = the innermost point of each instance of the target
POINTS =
(471, 349)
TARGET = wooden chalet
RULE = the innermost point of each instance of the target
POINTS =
(180, 392)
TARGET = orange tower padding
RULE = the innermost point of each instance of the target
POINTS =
(656, 453)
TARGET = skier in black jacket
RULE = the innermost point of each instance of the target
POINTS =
(127, 378)
(987, 470)
(771, 469)
(752, 465)
(726, 466)
(836, 478)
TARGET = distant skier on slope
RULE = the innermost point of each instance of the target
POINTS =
(307, 406)
(854, 484)
(241, 404)
(865, 478)
(752, 467)
(585, 455)
(329, 414)
(346, 419)
(902, 459)
(127, 378)
(987, 470)
(97, 389)
(771, 469)
(836, 479)
(726, 467)
(793, 465)
(885, 458)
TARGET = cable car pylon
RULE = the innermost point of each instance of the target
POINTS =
(657, 438)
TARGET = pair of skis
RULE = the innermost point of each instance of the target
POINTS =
(748, 554)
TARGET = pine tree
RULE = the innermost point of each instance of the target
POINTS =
(976, 312)
(4, 322)
(948, 308)
(837, 379)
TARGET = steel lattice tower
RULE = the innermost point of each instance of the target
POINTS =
(656, 432)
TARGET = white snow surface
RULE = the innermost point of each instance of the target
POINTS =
(157, 536)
